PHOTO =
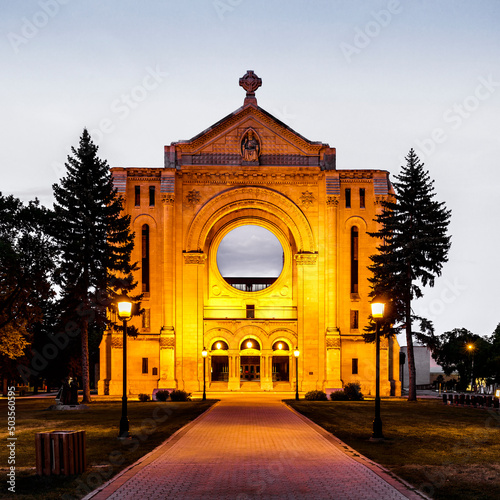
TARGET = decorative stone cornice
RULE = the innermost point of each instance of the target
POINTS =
(250, 176)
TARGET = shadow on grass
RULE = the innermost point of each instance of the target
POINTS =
(446, 452)
(151, 424)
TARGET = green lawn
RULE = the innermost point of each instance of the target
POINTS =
(447, 452)
(150, 424)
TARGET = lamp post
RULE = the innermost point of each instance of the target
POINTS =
(204, 354)
(470, 347)
(377, 314)
(296, 353)
(124, 313)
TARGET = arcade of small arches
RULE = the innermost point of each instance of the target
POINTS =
(254, 359)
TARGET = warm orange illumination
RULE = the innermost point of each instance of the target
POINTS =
(497, 393)
(124, 309)
(249, 345)
(470, 347)
(218, 345)
(296, 352)
(280, 346)
(378, 310)
(204, 353)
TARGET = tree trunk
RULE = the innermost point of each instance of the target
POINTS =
(85, 362)
(412, 385)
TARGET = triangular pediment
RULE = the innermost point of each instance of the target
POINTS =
(250, 136)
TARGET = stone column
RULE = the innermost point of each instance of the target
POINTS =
(167, 359)
(333, 359)
(266, 378)
(234, 372)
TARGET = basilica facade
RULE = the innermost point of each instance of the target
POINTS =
(250, 169)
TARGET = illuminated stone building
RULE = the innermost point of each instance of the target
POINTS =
(250, 169)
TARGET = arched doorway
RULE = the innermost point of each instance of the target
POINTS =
(250, 351)
(219, 362)
(281, 361)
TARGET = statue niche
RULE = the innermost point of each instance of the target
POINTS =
(250, 147)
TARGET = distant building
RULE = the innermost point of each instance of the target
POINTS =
(251, 169)
(422, 356)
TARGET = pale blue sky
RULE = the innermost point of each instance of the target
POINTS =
(371, 78)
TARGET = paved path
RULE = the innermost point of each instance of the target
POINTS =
(253, 447)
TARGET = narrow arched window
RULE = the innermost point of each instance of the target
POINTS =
(145, 258)
(354, 259)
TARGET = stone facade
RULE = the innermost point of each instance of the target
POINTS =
(250, 168)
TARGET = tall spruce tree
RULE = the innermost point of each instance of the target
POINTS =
(414, 246)
(95, 242)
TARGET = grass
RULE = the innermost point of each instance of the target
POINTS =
(150, 424)
(447, 452)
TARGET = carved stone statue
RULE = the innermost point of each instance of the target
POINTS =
(250, 147)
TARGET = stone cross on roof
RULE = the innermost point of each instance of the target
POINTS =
(250, 82)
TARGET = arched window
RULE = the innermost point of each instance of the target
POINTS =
(145, 258)
(354, 259)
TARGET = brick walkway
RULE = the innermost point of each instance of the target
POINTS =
(253, 447)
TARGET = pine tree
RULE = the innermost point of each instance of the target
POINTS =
(415, 244)
(95, 242)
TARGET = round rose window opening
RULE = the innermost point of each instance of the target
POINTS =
(250, 258)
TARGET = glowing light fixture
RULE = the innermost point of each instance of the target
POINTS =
(249, 345)
(378, 310)
(296, 353)
(280, 346)
(204, 353)
(218, 345)
(124, 309)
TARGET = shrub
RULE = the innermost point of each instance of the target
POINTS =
(162, 395)
(316, 396)
(144, 397)
(339, 396)
(353, 391)
(178, 395)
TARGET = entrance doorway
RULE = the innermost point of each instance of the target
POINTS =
(220, 368)
(250, 369)
(281, 372)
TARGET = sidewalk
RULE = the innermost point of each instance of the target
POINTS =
(253, 447)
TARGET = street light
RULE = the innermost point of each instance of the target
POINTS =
(377, 315)
(296, 353)
(124, 313)
(470, 347)
(204, 354)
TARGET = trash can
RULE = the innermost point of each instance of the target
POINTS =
(60, 453)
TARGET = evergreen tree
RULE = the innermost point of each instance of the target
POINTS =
(414, 246)
(96, 245)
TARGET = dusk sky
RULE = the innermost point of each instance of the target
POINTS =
(371, 78)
